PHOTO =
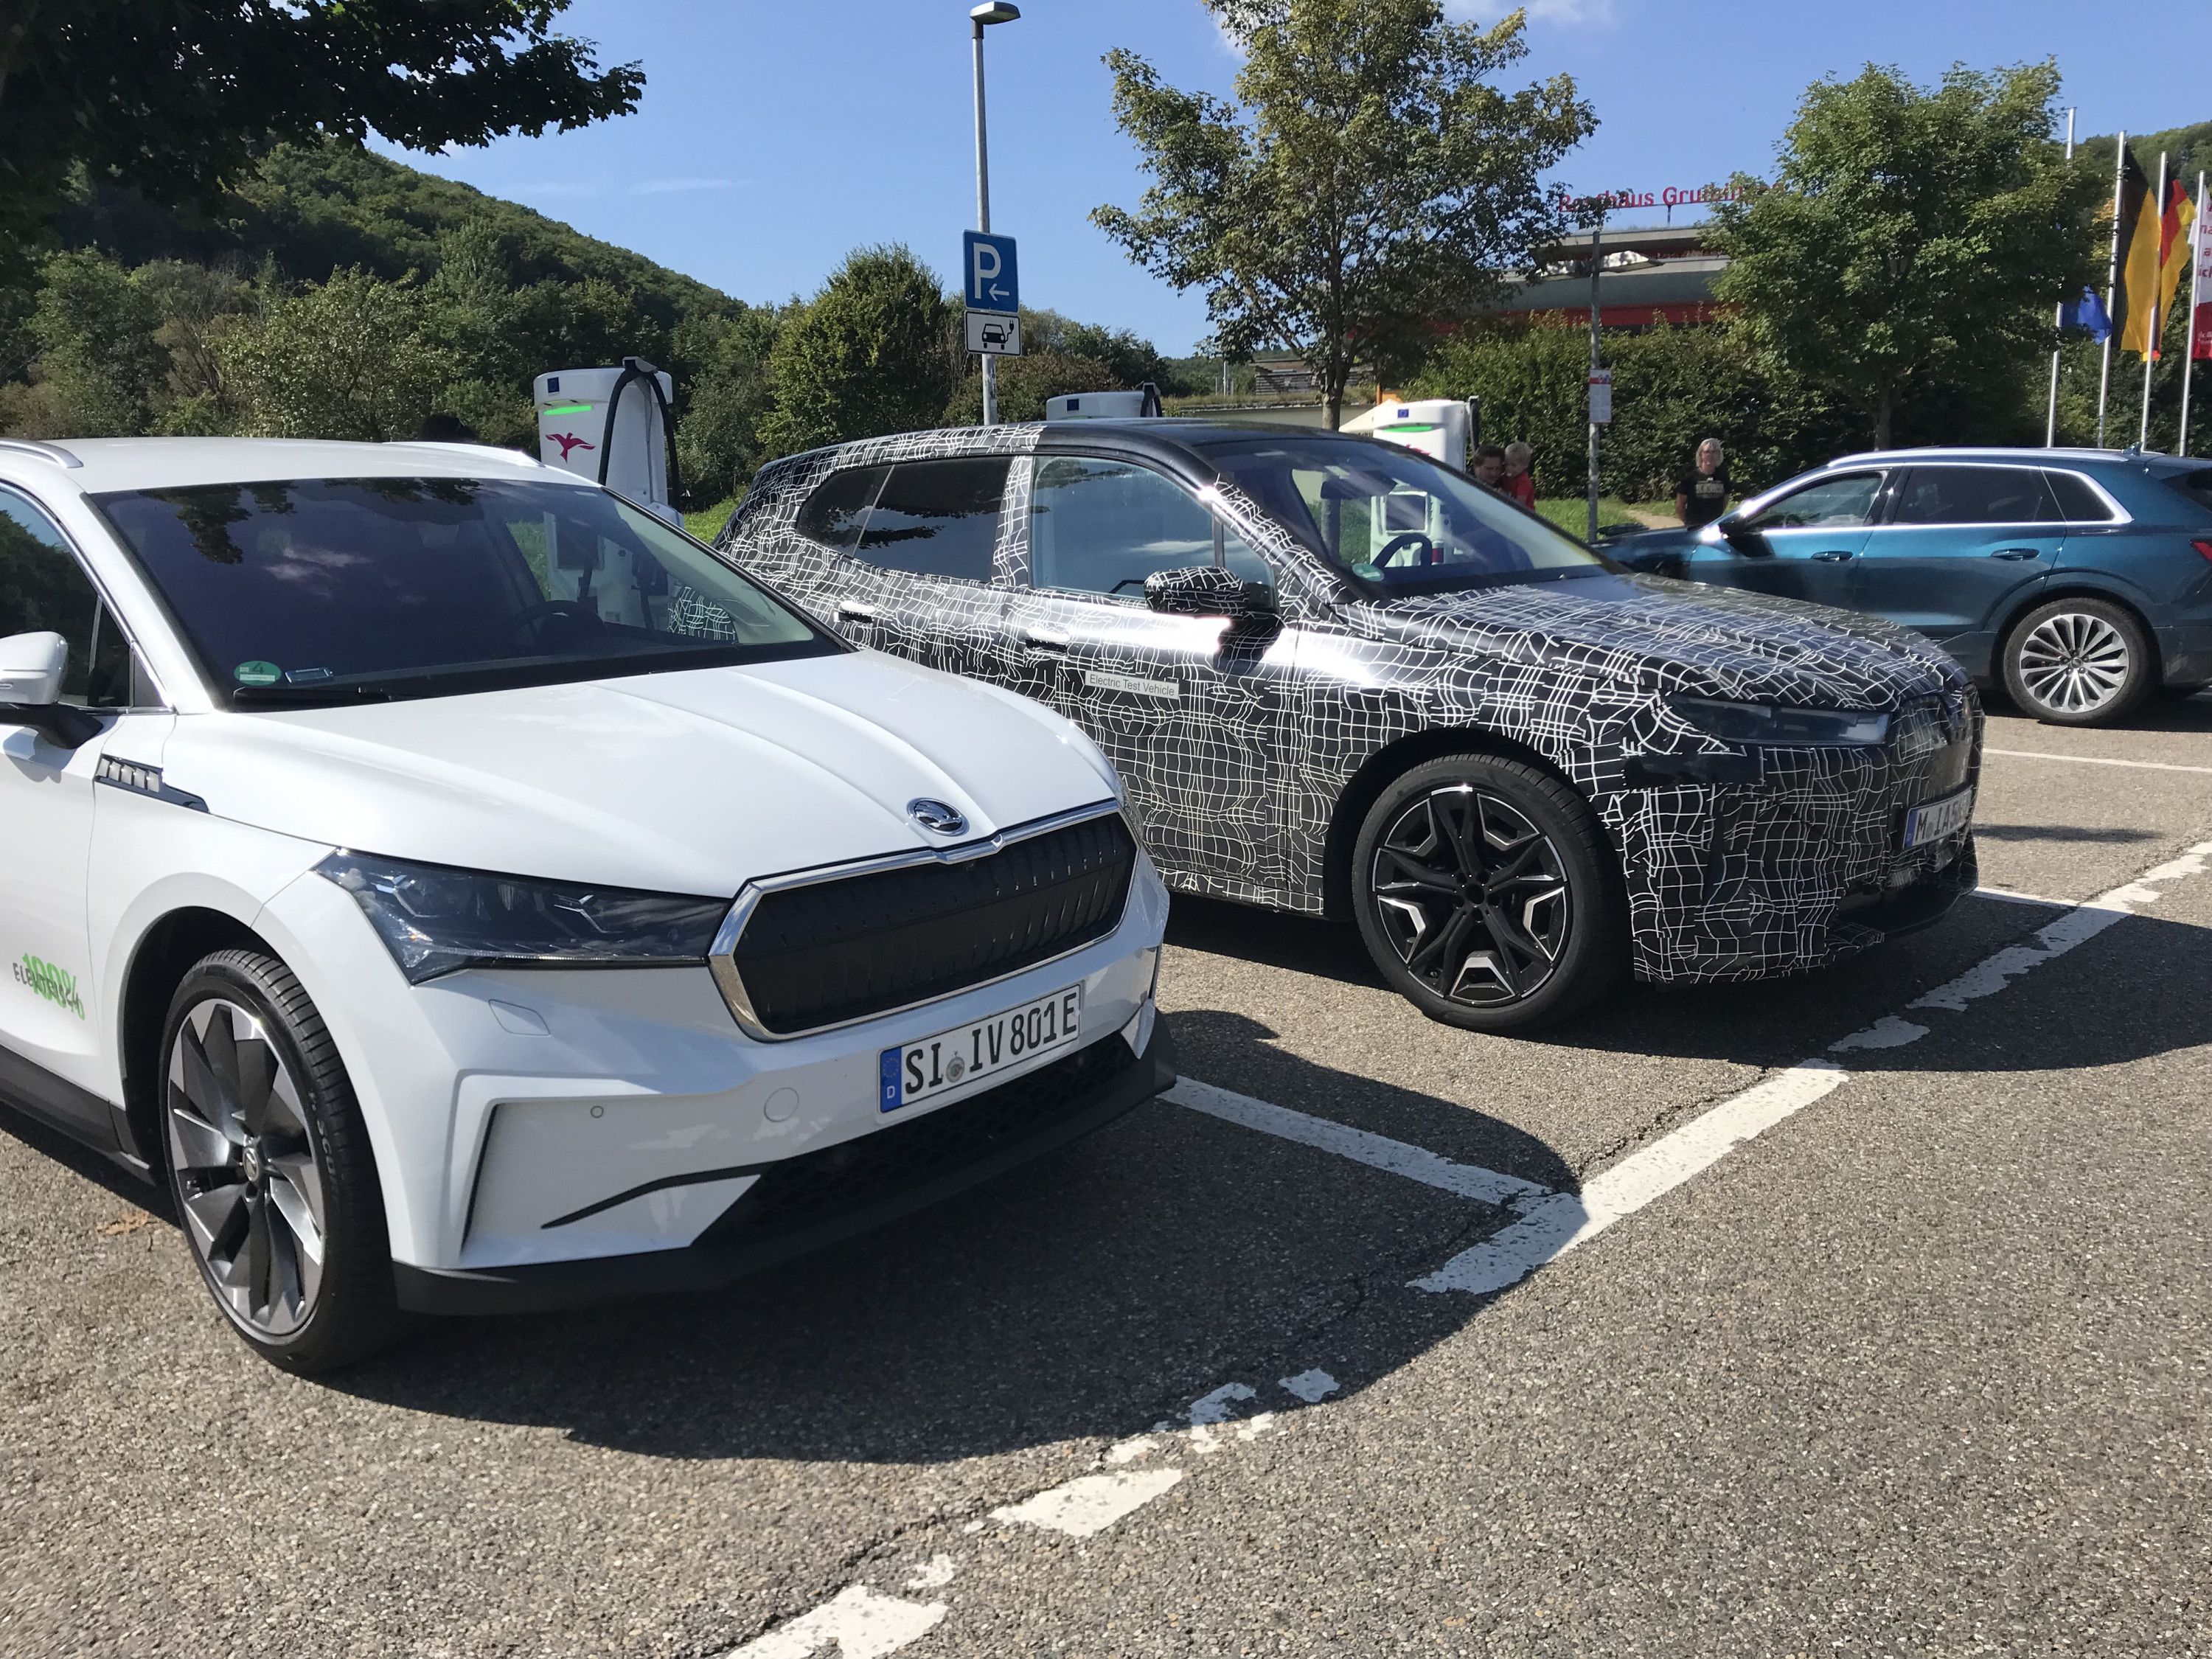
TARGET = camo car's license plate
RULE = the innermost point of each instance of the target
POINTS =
(936, 1065)
(1938, 820)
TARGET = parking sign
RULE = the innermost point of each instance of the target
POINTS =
(988, 262)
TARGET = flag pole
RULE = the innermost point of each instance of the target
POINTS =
(2196, 299)
(2050, 425)
(2111, 284)
(2157, 317)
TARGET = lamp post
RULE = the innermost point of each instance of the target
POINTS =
(998, 11)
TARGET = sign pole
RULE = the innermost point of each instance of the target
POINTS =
(2157, 314)
(2050, 423)
(1597, 263)
(2111, 286)
(2196, 262)
(983, 219)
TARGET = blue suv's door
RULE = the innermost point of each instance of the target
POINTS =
(1961, 546)
(1798, 545)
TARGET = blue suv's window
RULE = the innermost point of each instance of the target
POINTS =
(1973, 495)
(2077, 502)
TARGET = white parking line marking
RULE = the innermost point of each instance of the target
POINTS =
(2011, 897)
(1312, 1387)
(2094, 760)
(935, 1574)
(1090, 1503)
(1554, 1226)
(861, 1625)
(1378, 1152)
(1215, 1407)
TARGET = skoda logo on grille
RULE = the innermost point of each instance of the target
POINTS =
(937, 815)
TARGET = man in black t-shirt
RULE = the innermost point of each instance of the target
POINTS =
(1703, 494)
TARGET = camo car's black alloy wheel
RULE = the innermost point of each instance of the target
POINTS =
(1483, 891)
(271, 1167)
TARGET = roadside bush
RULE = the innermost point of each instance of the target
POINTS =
(1026, 382)
(873, 352)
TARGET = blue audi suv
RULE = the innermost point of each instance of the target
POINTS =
(2079, 580)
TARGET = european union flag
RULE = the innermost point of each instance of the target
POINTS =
(2087, 314)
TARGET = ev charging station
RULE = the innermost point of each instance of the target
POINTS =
(610, 425)
(1144, 404)
(1443, 429)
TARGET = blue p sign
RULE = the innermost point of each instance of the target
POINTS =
(989, 262)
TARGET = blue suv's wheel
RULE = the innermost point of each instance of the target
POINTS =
(2079, 662)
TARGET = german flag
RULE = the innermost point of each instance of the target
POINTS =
(2174, 242)
(2134, 296)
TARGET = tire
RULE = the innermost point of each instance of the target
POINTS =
(270, 1164)
(2079, 662)
(1430, 901)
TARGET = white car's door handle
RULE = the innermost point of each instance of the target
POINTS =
(848, 610)
(1038, 639)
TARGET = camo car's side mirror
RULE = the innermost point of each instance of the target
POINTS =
(1209, 590)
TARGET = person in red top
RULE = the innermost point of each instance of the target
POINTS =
(1520, 483)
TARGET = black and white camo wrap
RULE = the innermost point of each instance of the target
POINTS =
(1735, 865)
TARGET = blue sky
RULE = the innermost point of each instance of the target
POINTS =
(774, 138)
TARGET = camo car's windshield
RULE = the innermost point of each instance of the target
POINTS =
(332, 589)
(1396, 520)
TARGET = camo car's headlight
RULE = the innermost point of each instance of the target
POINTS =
(434, 920)
(1768, 726)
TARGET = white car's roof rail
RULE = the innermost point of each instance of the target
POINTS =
(52, 453)
(500, 450)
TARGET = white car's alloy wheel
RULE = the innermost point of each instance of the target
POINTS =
(247, 1179)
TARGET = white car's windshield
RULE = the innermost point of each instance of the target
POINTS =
(337, 589)
(1396, 520)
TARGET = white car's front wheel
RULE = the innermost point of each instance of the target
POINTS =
(269, 1161)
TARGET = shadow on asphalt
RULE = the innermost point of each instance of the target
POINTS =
(2161, 713)
(1764, 1023)
(2060, 832)
(1099, 1291)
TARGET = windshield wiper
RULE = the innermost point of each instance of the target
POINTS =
(304, 697)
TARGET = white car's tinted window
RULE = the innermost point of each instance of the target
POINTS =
(334, 588)
(1099, 526)
(1972, 494)
(43, 589)
(1831, 504)
(1396, 519)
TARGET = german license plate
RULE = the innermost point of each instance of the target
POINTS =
(1937, 820)
(936, 1065)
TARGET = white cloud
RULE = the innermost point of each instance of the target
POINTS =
(663, 186)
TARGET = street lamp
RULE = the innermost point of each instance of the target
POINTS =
(998, 11)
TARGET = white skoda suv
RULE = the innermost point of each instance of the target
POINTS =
(470, 894)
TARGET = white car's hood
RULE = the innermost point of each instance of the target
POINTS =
(691, 782)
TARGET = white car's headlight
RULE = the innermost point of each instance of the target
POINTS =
(434, 920)
(1769, 726)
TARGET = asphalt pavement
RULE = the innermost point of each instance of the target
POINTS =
(1862, 1314)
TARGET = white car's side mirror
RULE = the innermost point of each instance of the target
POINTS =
(31, 668)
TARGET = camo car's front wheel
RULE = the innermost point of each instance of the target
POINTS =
(1484, 891)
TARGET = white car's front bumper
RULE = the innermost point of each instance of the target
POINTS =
(545, 1135)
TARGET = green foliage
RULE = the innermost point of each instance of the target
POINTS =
(1915, 242)
(873, 352)
(718, 442)
(1672, 387)
(94, 325)
(1026, 382)
(173, 97)
(349, 359)
(1368, 183)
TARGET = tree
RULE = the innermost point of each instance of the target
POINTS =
(176, 96)
(1024, 382)
(1368, 186)
(94, 324)
(874, 351)
(346, 359)
(724, 396)
(1911, 240)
